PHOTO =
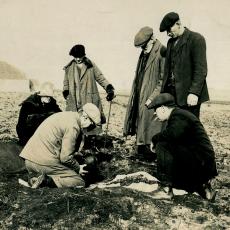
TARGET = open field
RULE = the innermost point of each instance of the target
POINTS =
(120, 205)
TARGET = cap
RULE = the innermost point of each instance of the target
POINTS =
(93, 112)
(168, 21)
(143, 36)
(77, 51)
(46, 89)
(163, 99)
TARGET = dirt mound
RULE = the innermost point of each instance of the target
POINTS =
(10, 162)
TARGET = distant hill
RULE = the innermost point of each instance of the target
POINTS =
(12, 79)
(10, 72)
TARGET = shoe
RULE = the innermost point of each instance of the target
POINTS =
(210, 193)
(206, 192)
(35, 182)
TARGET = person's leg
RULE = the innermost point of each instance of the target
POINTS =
(164, 164)
(61, 175)
(64, 177)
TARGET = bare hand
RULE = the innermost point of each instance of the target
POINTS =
(192, 99)
(152, 147)
(147, 103)
(82, 172)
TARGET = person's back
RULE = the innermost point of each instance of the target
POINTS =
(34, 110)
(49, 139)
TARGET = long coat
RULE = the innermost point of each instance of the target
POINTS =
(83, 87)
(32, 113)
(185, 155)
(190, 68)
(143, 124)
(54, 142)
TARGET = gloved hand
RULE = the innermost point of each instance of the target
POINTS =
(65, 93)
(110, 92)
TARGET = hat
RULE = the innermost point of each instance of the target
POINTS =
(163, 99)
(93, 112)
(143, 36)
(168, 21)
(46, 89)
(77, 51)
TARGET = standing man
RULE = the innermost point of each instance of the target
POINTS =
(139, 120)
(80, 82)
(185, 65)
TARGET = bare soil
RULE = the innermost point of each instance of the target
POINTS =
(110, 207)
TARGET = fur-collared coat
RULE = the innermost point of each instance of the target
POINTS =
(143, 123)
(83, 87)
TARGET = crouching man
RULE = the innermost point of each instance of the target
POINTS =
(185, 156)
(50, 151)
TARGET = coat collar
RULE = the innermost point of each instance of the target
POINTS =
(182, 40)
(153, 53)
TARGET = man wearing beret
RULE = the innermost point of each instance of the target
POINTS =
(139, 120)
(80, 82)
(185, 65)
(185, 156)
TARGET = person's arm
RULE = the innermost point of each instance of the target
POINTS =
(157, 89)
(176, 128)
(68, 148)
(199, 65)
(104, 83)
(99, 77)
(65, 91)
(21, 126)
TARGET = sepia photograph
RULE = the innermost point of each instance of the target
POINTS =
(114, 114)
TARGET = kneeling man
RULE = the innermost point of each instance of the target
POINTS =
(50, 151)
(185, 156)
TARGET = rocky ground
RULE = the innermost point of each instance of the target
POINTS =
(116, 202)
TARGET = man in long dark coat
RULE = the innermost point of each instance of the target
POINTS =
(185, 156)
(139, 120)
(185, 65)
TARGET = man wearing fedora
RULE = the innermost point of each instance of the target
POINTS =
(185, 156)
(139, 120)
(50, 153)
(185, 65)
(80, 82)
(34, 110)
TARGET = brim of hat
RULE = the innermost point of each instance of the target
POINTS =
(45, 95)
(96, 131)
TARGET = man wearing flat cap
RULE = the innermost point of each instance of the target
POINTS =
(185, 156)
(139, 120)
(185, 65)
(80, 82)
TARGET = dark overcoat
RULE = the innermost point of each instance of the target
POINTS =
(143, 124)
(32, 113)
(185, 154)
(190, 68)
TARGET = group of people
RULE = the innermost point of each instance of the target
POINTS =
(163, 112)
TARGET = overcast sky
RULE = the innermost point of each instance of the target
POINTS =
(36, 35)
